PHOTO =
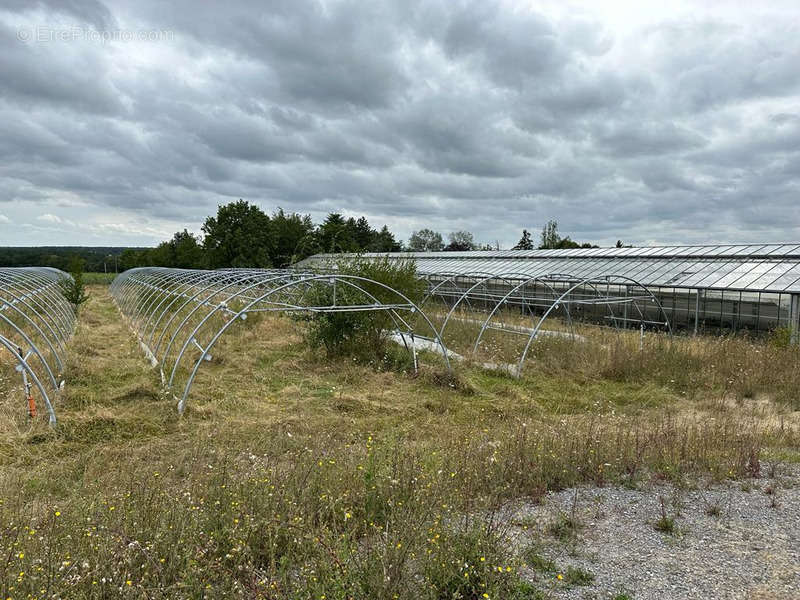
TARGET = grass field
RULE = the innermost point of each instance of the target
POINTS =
(294, 476)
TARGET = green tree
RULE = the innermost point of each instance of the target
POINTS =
(551, 239)
(337, 235)
(384, 241)
(183, 251)
(425, 240)
(460, 241)
(239, 236)
(290, 231)
(73, 288)
(363, 233)
(130, 259)
(525, 242)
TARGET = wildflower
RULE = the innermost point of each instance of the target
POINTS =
(58, 513)
(559, 577)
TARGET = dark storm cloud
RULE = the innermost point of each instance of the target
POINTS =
(452, 114)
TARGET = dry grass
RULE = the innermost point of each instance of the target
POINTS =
(291, 475)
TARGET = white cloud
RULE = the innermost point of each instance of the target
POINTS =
(48, 218)
(621, 119)
(4, 220)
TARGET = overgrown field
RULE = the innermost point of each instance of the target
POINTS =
(292, 475)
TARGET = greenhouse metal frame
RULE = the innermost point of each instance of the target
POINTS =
(176, 311)
(179, 315)
(490, 293)
(718, 289)
(36, 321)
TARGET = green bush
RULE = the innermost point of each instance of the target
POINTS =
(361, 334)
(780, 337)
(74, 289)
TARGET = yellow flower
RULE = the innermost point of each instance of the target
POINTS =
(58, 513)
(129, 582)
(559, 576)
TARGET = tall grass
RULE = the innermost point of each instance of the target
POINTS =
(295, 477)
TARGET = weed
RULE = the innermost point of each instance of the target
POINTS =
(295, 477)
(537, 562)
(577, 576)
(565, 528)
(664, 524)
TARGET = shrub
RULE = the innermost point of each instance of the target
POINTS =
(361, 334)
(577, 576)
(74, 289)
(780, 337)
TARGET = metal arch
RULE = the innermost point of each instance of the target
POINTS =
(187, 282)
(576, 285)
(11, 347)
(220, 306)
(204, 303)
(649, 293)
(212, 276)
(534, 280)
(303, 281)
(38, 319)
(465, 295)
(449, 277)
(145, 296)
(4, 302)
(27, 284)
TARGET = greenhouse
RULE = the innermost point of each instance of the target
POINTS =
(700, 289)
(36, 321)
(179, 315)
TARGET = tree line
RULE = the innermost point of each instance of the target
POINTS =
(94, 259)
(243, 235)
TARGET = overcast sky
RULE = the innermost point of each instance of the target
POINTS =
(122, 122)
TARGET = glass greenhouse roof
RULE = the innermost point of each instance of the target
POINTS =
(753, 268)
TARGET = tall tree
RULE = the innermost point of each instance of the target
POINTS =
(239, 236)
(460, 241)
(549, 237)
(187, 251)
(363, 233)
(525, 242)
(337, 235)
(384, 241)
(289, 231)
(425, 240)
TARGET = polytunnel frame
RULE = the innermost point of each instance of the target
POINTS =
(179, 281)
(482, 277)
(579, 282)
(510, 276)
(32, 289)
(574, 283)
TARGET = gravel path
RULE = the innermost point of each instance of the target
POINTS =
(732, 540)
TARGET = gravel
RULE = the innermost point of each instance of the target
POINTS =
(732, 540)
